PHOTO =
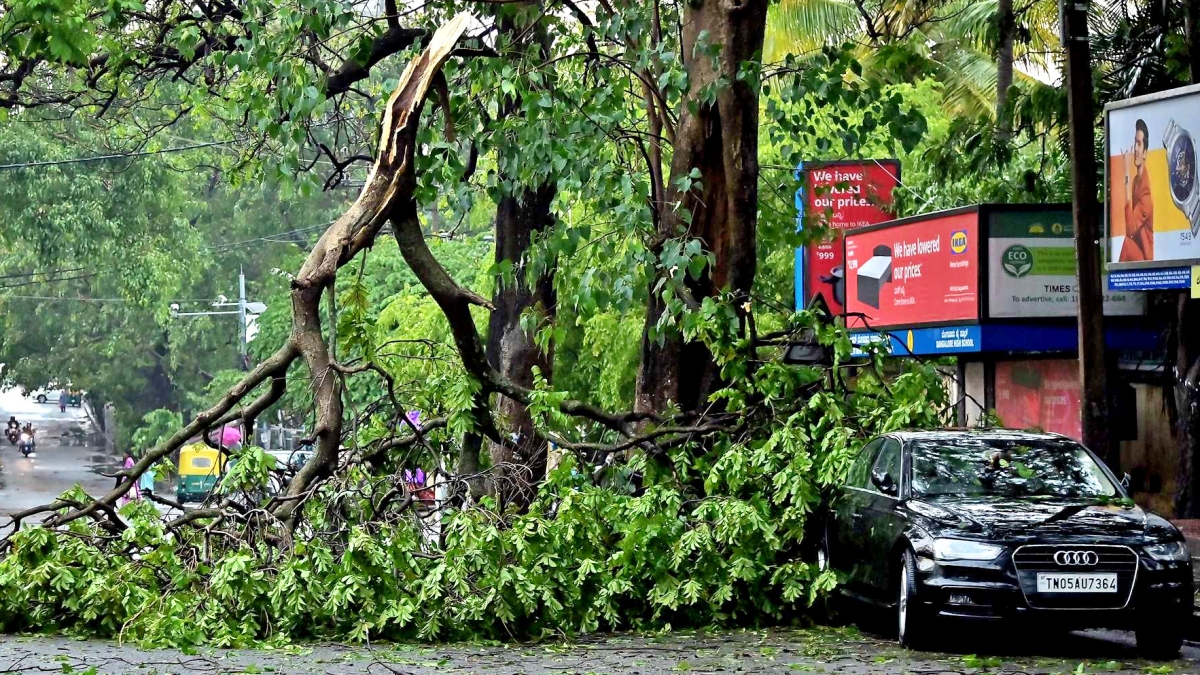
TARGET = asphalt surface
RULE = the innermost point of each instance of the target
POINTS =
(820, 650)
(67, 454)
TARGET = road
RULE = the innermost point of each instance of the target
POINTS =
(818, 650)
(63, 458)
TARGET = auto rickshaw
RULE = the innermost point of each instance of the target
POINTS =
(199, 470)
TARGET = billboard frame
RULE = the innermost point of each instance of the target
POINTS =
(980, 274)
(1109, 265)
(800, 173)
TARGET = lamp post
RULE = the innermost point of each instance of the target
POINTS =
(243, 311)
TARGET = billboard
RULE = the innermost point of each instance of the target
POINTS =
(922, 341)
(1153, 192)
(1043, 394)
(919, 271)
(1031, 268)
(838, 196)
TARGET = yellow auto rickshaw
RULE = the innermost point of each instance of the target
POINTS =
(199, 469)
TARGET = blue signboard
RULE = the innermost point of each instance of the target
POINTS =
(924, 341)
(1150, 279)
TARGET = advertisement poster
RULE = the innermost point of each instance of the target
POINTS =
(1040, 395)
(840, 196)
(1031, 269)
(920, 272)
(1153, 190)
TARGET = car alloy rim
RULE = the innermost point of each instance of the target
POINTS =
(822, 558)
(903, 602)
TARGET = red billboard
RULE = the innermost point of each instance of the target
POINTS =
(1042, 394)
(841, 196)
(914, 273)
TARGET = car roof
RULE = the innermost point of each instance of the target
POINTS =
(990, 433)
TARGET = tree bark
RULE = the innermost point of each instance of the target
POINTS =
(717, 136)
(1006, 25)
(1186, 333)
(510, 348)
(520, 214)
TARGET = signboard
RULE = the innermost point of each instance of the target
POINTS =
(922, 341)
(921, 271)
(1153, 214)
(1149, 280)
(838, 196)
(1031, 268)
(1042, 394)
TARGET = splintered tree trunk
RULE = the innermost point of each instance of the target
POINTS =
(719, 138)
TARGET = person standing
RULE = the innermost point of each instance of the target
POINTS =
(63, 399)
(1139, 206)
(146, 482)
(132, 495)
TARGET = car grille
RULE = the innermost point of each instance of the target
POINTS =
(1034, 558)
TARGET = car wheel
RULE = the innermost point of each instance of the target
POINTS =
(42, 398)
(913, 621)
(1159, 639)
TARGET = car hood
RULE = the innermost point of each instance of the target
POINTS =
(1031, 520)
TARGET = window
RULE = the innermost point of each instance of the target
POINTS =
(201, 462)
(889, 463)
(860, 472)
(1010, 466)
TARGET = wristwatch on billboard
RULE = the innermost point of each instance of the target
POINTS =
(1181, 170)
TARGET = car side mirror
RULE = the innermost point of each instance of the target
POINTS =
(1125, 480)
(883, 480)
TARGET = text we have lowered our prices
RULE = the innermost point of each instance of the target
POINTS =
(914, 273)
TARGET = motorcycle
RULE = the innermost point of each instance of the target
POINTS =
(26, 443)
(13, 434)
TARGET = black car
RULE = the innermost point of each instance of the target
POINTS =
(997, 524)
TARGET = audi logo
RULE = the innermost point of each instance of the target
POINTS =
(1076, 558)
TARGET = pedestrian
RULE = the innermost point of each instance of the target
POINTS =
(146, 483)
(63, 399)
(132, 495)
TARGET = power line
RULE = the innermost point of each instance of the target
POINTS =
(48, 281)
(98, 158)
(34, 274)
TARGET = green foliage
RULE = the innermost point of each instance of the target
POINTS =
(714, 535)
(158, 425)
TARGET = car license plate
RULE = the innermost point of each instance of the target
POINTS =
(1076, 583)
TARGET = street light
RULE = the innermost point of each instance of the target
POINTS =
(243, 310)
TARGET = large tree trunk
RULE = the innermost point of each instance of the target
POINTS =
(1186, 370)
(1006, 25)
(511, 350)
(719, 138)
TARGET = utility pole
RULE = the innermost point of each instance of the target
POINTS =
(243, 312)
(243, 329)
(1073, 15)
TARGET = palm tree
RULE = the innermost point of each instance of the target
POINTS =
(964, 44)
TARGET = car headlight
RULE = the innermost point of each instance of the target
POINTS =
(961, 549)
(1171, 551)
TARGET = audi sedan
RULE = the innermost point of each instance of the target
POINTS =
(993, 525)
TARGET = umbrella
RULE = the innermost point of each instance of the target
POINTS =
(230, 436)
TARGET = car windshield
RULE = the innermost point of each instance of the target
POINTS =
(1010, 467)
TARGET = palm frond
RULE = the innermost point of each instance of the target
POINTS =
(802, 26)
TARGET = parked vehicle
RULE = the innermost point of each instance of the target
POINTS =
(997, 524)
(199, 470)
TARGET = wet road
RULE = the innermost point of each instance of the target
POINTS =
(63, 459)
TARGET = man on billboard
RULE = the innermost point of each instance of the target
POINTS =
(1139, 207)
